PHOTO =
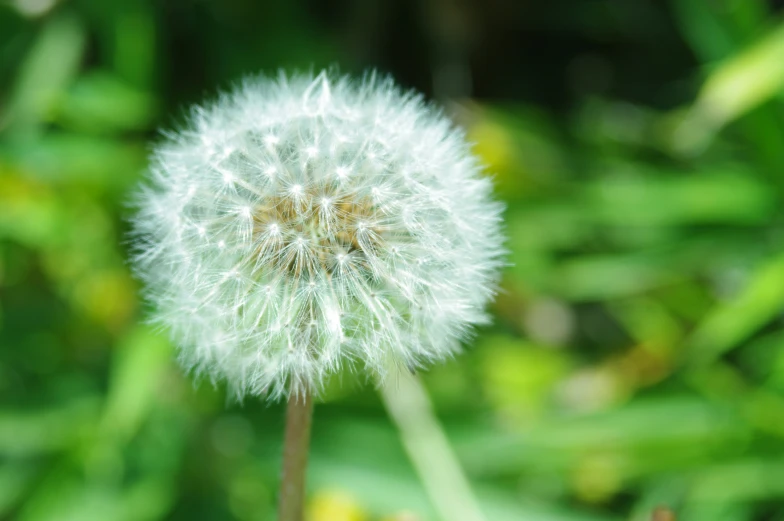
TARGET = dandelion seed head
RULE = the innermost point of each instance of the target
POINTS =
(299, 225)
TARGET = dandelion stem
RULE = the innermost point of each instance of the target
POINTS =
(299, 415)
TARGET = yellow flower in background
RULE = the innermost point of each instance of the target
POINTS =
(493, 144)
(335, 505)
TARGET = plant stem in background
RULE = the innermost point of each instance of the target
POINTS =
(299, 415)
(429, 450)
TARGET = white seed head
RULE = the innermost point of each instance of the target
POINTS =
(299, 225)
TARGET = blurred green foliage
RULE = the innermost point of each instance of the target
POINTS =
(637, 357)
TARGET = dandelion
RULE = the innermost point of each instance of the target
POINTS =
(297, 226)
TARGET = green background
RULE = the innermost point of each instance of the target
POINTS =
(637, 353)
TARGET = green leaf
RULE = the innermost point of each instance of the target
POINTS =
(64, 497)
(743, 82)
(732, 322)
(15, 478)
(48, 68)
(27, 433)
(61, 158)
(646, 437)
(100, 101)
(597, 277)
(725, 195)
(704, 31)
(141, 359)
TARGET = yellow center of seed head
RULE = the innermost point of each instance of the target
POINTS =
(316, 231)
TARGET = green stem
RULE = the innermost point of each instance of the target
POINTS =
(429, 449)
(299, 416)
